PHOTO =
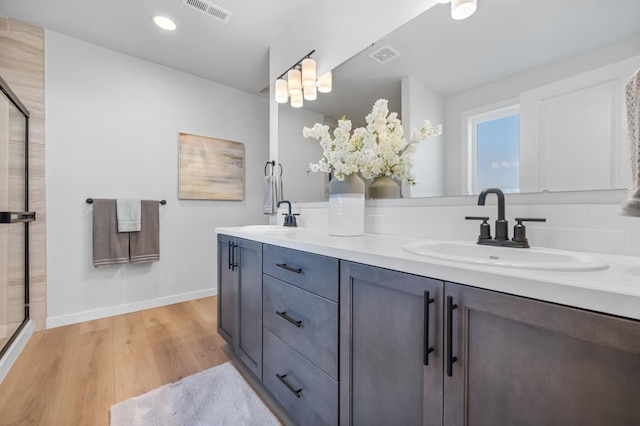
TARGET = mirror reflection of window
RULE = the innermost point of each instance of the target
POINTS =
(495, 144)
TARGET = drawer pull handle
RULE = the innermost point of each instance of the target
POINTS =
(296, 392)
(288, 318)
(450, 358)
(289, 268)
(426, 348)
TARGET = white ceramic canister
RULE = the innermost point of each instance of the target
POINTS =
(346, 206)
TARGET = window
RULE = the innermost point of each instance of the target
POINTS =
(494, 147)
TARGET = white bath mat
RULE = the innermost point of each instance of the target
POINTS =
(217, 396)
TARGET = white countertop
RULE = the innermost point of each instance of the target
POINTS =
(615, 290)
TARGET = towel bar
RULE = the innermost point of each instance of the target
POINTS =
(272, 163)
(90, 201)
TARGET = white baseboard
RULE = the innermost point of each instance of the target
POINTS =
(77, 317)
(14, 350)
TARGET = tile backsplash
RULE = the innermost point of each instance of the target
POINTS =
(581, 227)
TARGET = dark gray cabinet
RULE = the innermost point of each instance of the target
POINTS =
(526, 362)
(497, 359)
(378, 346)
(309, 394)
(240, 298)
(303, 320)
(226, 289)
(390, 347)
(300, 318)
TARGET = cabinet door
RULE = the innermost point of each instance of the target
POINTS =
(526, 362)
(249, 260)
(226, 290)
(386, 326)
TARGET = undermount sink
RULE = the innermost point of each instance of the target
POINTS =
(536, 258)
(271, 228)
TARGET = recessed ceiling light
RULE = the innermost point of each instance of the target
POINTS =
(164, 22)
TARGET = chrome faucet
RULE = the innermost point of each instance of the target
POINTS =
(289, 219)
(519, 239)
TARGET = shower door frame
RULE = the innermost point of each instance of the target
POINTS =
(4, 87)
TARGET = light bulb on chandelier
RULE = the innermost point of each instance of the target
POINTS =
(325, 83)
(282, 94)
(308, 72)
(310, 93)
(294, 82)
(296, 100)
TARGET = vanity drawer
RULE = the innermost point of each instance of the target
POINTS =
(316, 334)
(316, 399)
(313, 272)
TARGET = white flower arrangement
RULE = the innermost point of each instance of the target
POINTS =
(379, 149)
(342, 155)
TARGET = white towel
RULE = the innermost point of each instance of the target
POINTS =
(631, 205)
(269, 201)
(128, 212)
(279, 190)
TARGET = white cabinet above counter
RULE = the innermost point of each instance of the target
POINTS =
(614, 290)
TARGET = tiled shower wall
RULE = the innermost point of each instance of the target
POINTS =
(22, 67)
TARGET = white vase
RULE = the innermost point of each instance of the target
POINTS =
(346, 206)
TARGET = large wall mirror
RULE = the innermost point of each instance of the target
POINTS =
(530, 95)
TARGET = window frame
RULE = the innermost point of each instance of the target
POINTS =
(469, 125)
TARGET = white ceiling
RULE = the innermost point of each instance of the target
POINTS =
(503, 38)
(234, 54)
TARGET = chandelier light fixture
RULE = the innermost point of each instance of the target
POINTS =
(461, 9)
(302, 83)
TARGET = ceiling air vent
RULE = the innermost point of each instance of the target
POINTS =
(384, 54)
(210, 9)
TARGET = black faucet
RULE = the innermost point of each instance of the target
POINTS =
(519, 239)
(501, 224)
(289, 218)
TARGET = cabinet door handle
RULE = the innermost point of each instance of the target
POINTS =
(288, 318)
(289, 268)
(229, 258)
(426, 348)
(296, 392)
(234, 263)
(450, 358)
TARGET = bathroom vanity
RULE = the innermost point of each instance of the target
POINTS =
(360, 331)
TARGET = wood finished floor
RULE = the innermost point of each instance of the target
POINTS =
(72, 375)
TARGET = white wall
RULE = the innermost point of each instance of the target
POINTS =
(511, 88)
(574, 220)
(112, 131)
(298, 184)
(574, 131)
(419, 103)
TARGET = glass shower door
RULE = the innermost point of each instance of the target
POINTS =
(14, 216)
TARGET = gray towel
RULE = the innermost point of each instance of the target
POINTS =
(109, 246)
(145, 245)
(631, 205)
